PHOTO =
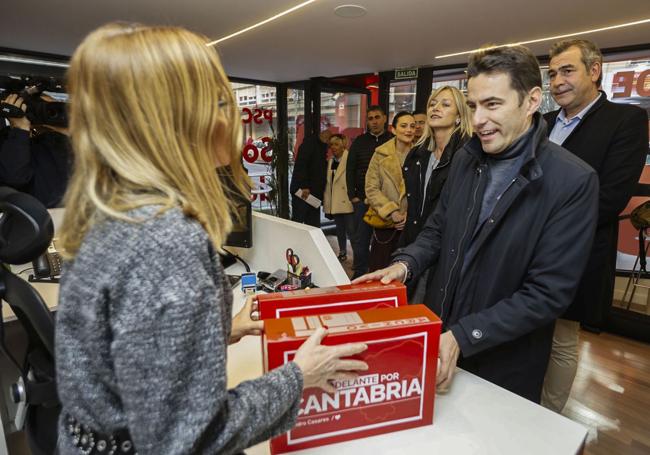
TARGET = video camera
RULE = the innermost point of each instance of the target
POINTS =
(39, 111)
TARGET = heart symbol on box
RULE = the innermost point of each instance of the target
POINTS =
(337, 417)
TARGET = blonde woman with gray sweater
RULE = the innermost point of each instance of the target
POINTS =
(144, 317)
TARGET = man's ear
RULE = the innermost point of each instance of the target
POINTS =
(595, 71)
(534, 100)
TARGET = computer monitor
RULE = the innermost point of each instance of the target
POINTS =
(242, 231)
(242, 219)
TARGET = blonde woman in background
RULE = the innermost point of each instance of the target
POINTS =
(144, 317)
(385, 189)
(336, 202)
(448, 128)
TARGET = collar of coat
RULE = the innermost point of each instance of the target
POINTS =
(387, 155)
(422, 152)
(602, 99)
(536, 152)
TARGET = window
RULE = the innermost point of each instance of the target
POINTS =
(401, 97)
(257, 104)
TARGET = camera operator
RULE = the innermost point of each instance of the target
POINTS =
(37, 163)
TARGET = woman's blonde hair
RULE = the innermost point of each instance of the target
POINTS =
(151, 110)
(465, 125)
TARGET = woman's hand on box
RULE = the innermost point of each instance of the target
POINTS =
(322, 365)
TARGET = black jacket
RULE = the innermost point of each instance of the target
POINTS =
(310, 168)
(40, 165)
(421, 205)
(613, 139)
(530, 254)
(359, 157)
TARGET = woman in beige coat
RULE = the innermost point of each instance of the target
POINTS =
(335, 201)
(386, 191)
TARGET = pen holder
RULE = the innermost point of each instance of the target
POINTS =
(302, 281)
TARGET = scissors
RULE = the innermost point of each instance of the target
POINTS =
(293, 260)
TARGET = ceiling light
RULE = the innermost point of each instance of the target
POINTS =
(350, 11)
(265, 21)
(32, 61)
(557, 37)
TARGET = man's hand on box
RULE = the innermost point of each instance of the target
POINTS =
(321, 365)
(448, 354)
(18, 122)
(395, 271)
(246, 321)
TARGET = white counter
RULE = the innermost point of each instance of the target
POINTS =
(474, 417)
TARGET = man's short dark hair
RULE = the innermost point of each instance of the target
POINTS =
(516, 61)
(419, 112)
(376, 107)
(589, 52)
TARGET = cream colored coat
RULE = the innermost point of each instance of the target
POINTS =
(336, 200)
(385, 187)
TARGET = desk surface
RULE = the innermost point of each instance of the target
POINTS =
(474, 417)
(48, 291)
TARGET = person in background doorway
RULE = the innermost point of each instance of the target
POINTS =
(386, 191)
(359, 156)
(145, 310)
(613, 139)
(336, 202)
(427, 165)
(309, 177)
(420, 117)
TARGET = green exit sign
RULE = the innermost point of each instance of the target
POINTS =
(406, 73)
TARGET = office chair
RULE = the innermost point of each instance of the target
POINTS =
(26, 230)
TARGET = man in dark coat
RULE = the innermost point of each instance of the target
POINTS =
(359, 157)
(309, 176)
(613, 139)
(510, 234)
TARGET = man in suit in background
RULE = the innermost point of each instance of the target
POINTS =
(613, 139)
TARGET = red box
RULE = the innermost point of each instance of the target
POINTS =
(335, 299)
(397, 392)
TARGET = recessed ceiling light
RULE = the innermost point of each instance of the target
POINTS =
(350, 11)
(548, 38)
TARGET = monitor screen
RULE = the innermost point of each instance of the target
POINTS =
(242, 219)
(242, 233)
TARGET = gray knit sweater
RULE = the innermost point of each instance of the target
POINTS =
(141, 336)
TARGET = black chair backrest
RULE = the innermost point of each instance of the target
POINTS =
(26, 230)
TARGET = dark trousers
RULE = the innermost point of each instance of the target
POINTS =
(344, 229)
(360, 240)
(384, 243)
(301, 212)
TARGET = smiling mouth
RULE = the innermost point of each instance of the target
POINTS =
(560, 93)
(486, 134)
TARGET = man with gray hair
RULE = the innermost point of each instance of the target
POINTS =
(613, 139)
